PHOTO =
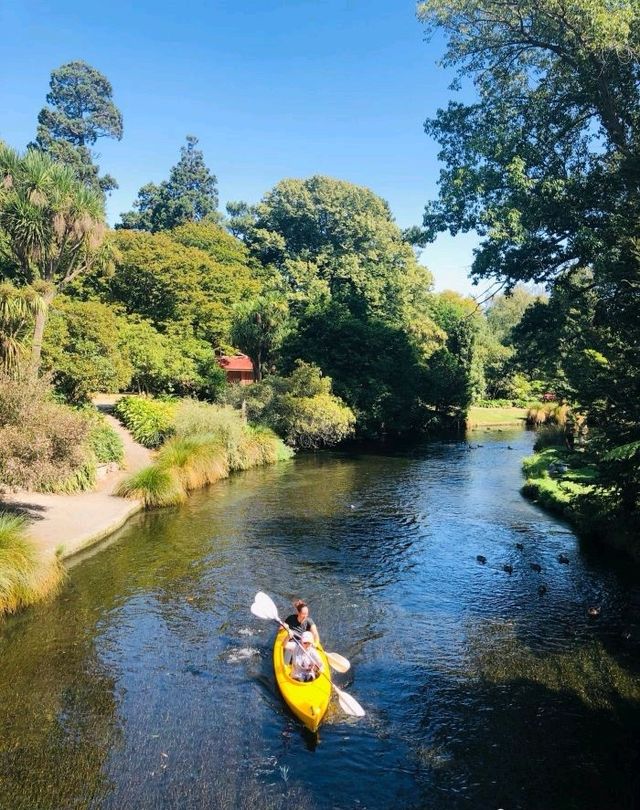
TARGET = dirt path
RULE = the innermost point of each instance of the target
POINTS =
(71, 522)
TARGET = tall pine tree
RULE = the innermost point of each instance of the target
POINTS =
(189, 195)
(80, 110)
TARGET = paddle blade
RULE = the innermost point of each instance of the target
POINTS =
(264, 607)
(338, 662)
(348, 703)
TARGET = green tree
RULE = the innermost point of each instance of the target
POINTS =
(332, 239)
(171, 363)
(376, 368)
(543, 165)
(53, 227)
(18, 308)
(194, 275)
(81, 349)
(81, 110)
(189, 195)
(258, 329)
(505, 312)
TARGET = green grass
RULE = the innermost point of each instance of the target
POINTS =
(185, 463)
(24, 579)
(154, 486)
(489, 417)
(557, 492)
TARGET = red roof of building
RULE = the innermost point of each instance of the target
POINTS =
(236, 362)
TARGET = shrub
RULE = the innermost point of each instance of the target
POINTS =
(312, 422)
(43, 444)
(105, 443)
(154, 485)
(150, 421)
(23, 578)
(300, 408)
(210, 442)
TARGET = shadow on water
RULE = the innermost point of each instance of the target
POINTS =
(148, 683)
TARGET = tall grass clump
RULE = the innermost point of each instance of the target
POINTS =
(24, 579)
(210, 441)
(548, 413)
(151, 421)
(195, 460)
(154, 486)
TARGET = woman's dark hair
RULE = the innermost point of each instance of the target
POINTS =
(299, 605)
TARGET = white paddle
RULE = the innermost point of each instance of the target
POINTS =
(264, 608)
(268, 610)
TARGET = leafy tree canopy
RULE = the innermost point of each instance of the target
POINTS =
(52, 228)
(330, 238)
(505, 312)
(81, 110)
(189, 195)
(81, 349)
(544, 166)
(375, 366)
(195, 275)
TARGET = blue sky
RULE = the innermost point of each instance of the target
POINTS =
(273, 89)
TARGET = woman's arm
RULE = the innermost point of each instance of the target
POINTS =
(314, 631)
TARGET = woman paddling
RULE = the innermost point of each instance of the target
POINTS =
(297, 624)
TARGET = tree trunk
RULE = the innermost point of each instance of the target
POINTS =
(38, 332)
(257, 367)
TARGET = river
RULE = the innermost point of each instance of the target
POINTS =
(148, 684)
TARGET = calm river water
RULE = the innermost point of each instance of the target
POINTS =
(148, 683)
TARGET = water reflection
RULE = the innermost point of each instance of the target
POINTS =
(149, 684)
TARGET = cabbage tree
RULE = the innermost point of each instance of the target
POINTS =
(54, 228)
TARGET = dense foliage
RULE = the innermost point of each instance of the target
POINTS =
(302, 408)
(544, 166)
(43, 444)
(189, 195)
(316, 283)
(150, 421)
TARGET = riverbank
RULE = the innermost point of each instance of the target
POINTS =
(563, 483)
(60, 526)
(495, 417)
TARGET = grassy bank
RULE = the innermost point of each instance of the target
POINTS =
(564, 483)
(496, 417)
(24, 579)
(556, 478)
(206, 444)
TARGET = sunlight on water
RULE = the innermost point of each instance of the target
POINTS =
(492, 674)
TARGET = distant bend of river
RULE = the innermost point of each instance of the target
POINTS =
(148, 683)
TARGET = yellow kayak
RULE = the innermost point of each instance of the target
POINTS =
(307, 700)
